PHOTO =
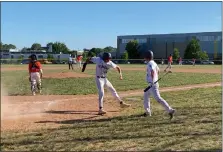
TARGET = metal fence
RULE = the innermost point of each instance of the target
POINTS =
(118, 61)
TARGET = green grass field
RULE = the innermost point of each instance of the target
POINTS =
(196, 127)
(132, 80)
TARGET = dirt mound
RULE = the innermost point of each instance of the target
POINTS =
(67, 75)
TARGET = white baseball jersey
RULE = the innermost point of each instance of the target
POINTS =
(70, 59)
(102, 67)
(151, 65)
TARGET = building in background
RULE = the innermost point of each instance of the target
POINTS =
(163, 44)
(42, 53)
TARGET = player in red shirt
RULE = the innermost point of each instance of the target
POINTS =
(170, 60)
(35, 74)
(180, 61)
(79, 59)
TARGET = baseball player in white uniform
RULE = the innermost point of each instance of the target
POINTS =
(70, 62)
(102, 66)
(151, 77)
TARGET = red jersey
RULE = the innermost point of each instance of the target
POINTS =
(170, 59)
(180, 59)
(193, 59)
(79, 58)
(34, 66)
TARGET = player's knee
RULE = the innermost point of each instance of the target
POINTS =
(159, 99)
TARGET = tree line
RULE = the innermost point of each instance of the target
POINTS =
(193, 50)
(58, 47)
(133, 50)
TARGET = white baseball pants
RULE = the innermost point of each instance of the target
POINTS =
(35, 81)
(101, 83)
(154, 91)
(79, 64)
(169, 65)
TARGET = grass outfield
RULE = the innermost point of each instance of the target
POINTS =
(196, 127)
(65, 66)
(17, 82)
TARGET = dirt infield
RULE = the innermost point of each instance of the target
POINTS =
(29, 112)
(67, 75)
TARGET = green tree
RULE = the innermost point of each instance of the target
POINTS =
(203, 55)
(24, 49)
(132, 49)
(91, 54)
(125, 56)
(21, 57)
(36, 46)
(96, 51)
(50, 57)
(192, 50)
(7, 46)
(176, 54)
(59, 47)
(11, 46)
(109, 49)
(50, 43)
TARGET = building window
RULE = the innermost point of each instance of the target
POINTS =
(40, 56)
(207, 38)
(141, 40)
(219, 38)
(138, 40)
(126, 40)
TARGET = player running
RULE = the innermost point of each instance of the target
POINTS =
(170, 60)
(102, 66)
(151, 77)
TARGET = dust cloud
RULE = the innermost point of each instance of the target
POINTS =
(16, 110)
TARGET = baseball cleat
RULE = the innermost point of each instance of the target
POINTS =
(146, 114)
(101, 112)
(124, 105)
(171, 113)
(33, 93)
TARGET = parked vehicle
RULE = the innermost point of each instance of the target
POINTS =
(45, 61)
(25, 61)
(207, 62)
(187, 62)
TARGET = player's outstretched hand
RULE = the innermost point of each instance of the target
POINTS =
(121, 78)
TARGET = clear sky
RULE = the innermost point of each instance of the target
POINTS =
(97, 24)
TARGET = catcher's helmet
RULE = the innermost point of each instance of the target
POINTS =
(148, 54)
(106, 56)
(33, 57)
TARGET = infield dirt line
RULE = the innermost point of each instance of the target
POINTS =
(126, 93)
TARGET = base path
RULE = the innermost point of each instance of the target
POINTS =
(36, 112)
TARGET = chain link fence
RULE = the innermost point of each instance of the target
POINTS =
(117, 61)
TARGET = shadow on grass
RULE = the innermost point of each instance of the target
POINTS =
(123, 137)
(116, 118)
(74, 112)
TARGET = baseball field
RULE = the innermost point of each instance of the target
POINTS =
(64, 117)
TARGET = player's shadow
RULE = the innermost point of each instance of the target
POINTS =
(89, 112)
